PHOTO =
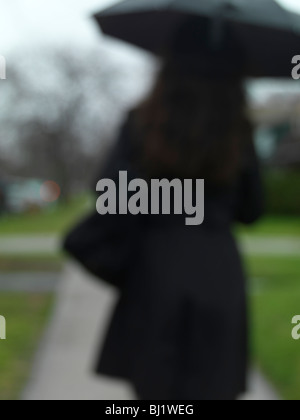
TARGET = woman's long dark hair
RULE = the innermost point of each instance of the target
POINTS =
(194, 122)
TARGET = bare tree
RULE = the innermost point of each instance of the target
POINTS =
(60, 112)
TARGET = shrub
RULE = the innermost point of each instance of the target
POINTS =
(282, 189)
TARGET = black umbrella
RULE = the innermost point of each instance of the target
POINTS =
(268, 33)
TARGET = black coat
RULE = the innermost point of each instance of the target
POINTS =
(179, 330)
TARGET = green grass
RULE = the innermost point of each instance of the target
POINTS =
(58, 219)
(275, 300)
(273, 226)
(55, 220)
(26, 316)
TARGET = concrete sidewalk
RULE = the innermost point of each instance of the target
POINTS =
(278, 246)
(29, 244)
(28, 282)
(63, 366)
(49, 244)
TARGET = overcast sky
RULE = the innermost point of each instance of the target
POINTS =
(25, 23)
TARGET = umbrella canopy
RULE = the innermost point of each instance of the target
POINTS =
(268, 33)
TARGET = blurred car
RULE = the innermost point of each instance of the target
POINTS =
(18, 195)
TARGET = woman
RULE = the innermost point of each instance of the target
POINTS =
(179, 330)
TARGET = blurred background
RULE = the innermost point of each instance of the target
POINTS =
(65, 96)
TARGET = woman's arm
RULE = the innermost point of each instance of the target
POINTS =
(250, 194)
(105, 244)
